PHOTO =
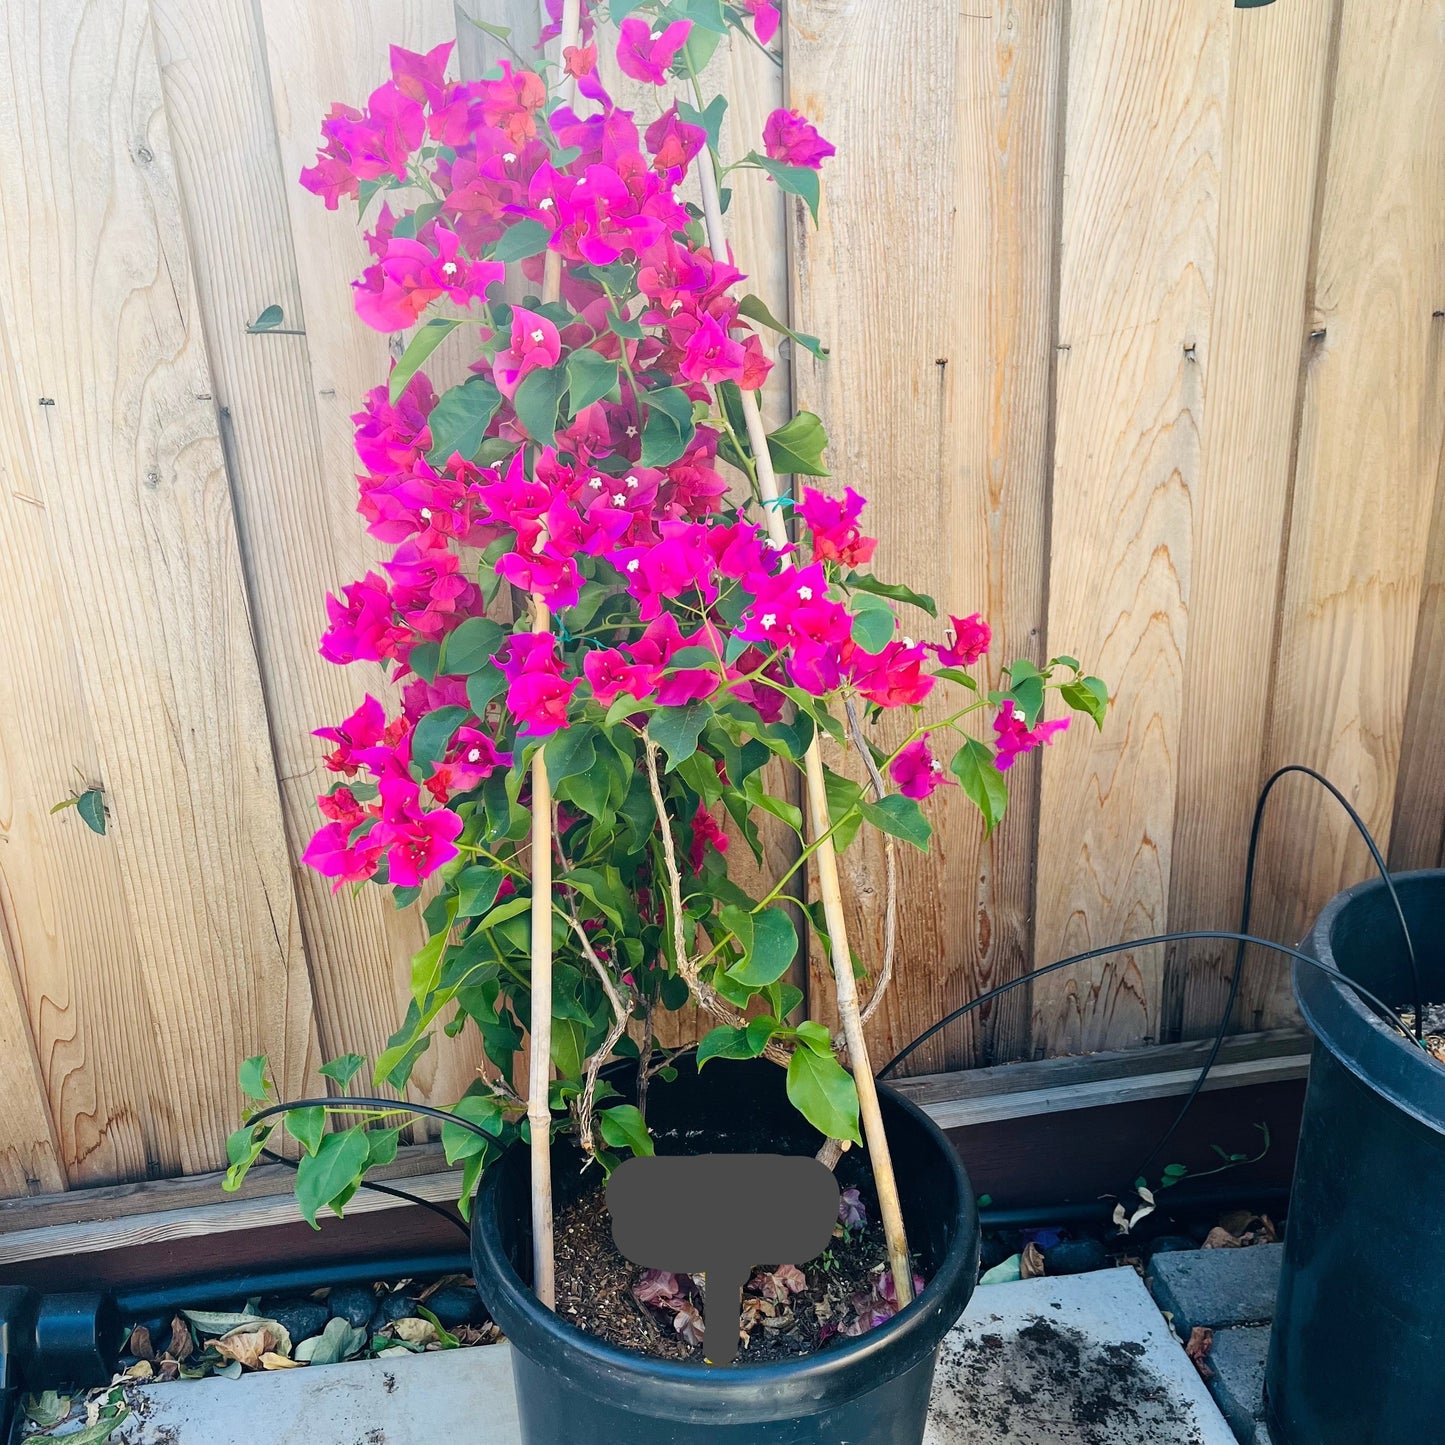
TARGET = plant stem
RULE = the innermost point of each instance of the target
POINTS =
(870, 1114)
(890, 864)
(539, 1076)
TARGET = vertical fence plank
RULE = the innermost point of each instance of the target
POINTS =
(1417, 835)
(1142, 162)
(207, 965)
(1372, 422)
(298, 522)
(1280, 64)
(929, 279)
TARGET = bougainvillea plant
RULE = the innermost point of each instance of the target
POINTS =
(595, 458)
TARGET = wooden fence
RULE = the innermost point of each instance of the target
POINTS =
(1136, 312)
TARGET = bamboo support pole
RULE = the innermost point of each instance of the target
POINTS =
(539, 1076)
(826, 856)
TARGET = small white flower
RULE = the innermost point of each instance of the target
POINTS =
(775, 545)
(425, 514)
(908, 642)
(475, 755)
(539, 336)
(450, 269)
(631, 484)
(632, 431)
(619, 499)
(770, 620)
(546, 203)
(595, 484)
(510, 157)
(806, 593)
(633, 565)
(935, 766)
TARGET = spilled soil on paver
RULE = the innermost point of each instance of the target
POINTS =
(1049, 1384)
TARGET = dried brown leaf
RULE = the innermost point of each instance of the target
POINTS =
(272, 1361)
(1219, 1238)
(141, 1370)
(1031, 1262)
(415, 1331)
(247, 1347)
(183, 1344)
(1197, 1347)
(140, 1344)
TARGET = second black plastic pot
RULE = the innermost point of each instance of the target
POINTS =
(573, 1389)
(1359, 1328)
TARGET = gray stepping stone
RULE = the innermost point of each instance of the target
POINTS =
(1080, 1360)
(1217, 1288)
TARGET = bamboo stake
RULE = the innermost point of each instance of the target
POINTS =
(539, 1077)
(826, 856)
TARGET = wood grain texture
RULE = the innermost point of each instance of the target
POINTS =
(1144, 147)
(297, 520)
(193, 956)
(935, 396)
(1280, 64)
(1371, 429)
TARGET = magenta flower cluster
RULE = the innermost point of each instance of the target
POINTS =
(603, 194)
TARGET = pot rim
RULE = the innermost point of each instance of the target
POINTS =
(767, 1391)
(1350, 1029)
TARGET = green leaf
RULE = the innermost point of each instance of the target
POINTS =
(243, 1149)
(672, 400)
(902, 817)
(460, 420)
(772, 948)
(426, 963)
(333, 1169)
(624, 1128)
(725, 1042)
(570, 751)
(675, 730)
(307, 1127)
(536, 403)
(470, 647)
(338, 1341)
(710, 119)
(896, 592)
(424, 341)
(344, 1069)
(797, 446)
(1087, 695)
(433, 734)
(756, 309)
(663, 441)
(477, 888)
(483, 1110)
(102, 1430)
(482, 686)
(625, 326)
(873, 622)
(91, 806)
(520, 240)
(1026, 689)
(824, 1093)
(796, 180)
(589, 378)
(252, 1077)
(268, 320)
(973, 766)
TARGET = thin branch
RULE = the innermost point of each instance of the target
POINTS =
(621, 1012)
(703, 994)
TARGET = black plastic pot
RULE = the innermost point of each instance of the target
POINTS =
(1359, 1329)
(573, 1389)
